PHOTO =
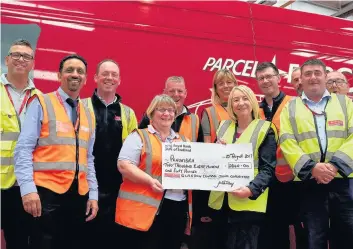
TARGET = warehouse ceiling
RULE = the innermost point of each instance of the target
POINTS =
(338, 8)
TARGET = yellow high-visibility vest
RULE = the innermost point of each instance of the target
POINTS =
(255, 134)
(299, 140)
(9, 133)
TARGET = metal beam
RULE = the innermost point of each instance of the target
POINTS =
(345, 11)
(286, 4)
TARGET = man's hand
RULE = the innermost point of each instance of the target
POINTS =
(242, 192)
(155, 185)
(92, 206)
(32, 205)
(324, 173)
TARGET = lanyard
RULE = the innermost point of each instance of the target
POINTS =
(77, 124)
(316, 113)
(28, 93)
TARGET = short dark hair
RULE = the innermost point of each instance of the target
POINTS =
(262, 66)
(106, 60)
(69, 57)
(21, 42)
(313, 62)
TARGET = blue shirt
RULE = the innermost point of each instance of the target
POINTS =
(319, 107)
(27, 142)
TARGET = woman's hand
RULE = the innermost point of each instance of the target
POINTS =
(156, 186)
(242, 192)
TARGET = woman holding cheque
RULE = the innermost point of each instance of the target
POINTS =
(156, 218)
(246, 205)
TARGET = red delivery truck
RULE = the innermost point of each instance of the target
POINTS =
(152, 40)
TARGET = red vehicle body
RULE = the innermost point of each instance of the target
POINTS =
(152, 40)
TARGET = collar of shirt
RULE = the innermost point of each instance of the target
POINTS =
(323, 98)
(277, 99)
(64, 95)
(103, 101)
(184, 111)
(5, 82)
(170, 138)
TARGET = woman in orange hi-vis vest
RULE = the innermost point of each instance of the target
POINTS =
(156, 218)
(223, 82)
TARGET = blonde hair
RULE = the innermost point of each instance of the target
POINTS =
(252, 98)
(218, 76)
(159, 100)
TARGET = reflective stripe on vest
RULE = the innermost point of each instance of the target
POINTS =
(190, 121)
(139, 198)
(148, 150)
(193, 127)
(214, 118)
(216, 114)
(43, 166)
(9, 136)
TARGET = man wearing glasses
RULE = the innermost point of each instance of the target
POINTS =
(337, 83)
(15, 90)
(282, 204)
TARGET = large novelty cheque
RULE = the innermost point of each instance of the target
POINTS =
(206, 166)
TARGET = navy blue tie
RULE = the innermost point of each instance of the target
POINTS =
(73, 104)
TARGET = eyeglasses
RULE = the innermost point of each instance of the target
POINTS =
(163, 110)
(339, 82)
(16, 56)
(267, 77)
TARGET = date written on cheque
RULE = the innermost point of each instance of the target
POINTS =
(239, 165)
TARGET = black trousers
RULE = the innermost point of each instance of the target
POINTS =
(167, 231)
(15, 221)
(327, 212)
(211, 235)
(283, 209)
(243, 235)
(62, 221)
(102, 231)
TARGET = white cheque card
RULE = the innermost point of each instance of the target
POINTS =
(206, 166)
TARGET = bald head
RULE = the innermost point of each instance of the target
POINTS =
(337, 83)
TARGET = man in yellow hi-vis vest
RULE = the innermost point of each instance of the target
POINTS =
(114, 122)
(15, 90)
(317, 139)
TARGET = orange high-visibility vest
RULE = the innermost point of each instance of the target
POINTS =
(190, 127)
(54, 158)
(283, 171)
(137, 204)
(216, 114)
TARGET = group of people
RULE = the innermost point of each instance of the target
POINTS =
(81, 173)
